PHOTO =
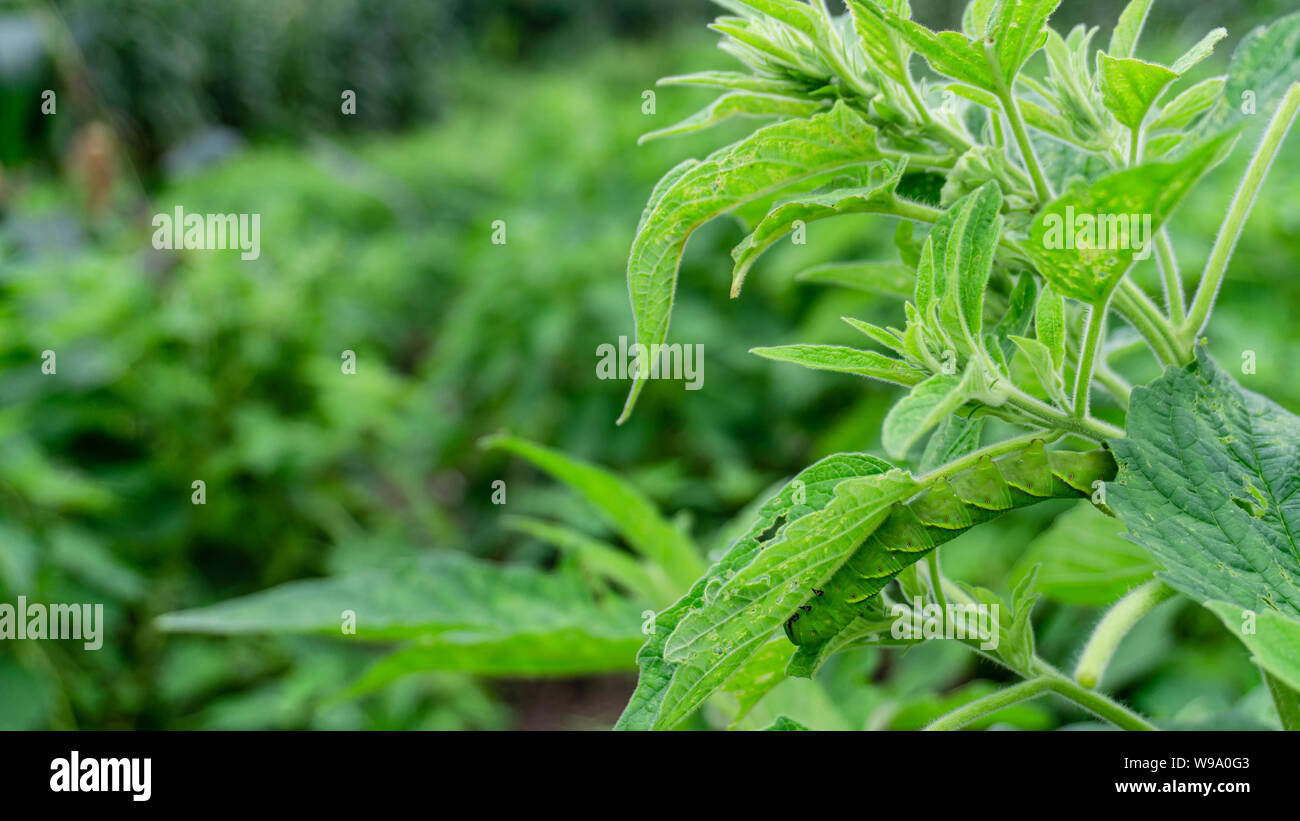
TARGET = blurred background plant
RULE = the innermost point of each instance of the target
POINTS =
(377, 238)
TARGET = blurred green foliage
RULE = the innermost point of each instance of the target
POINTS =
(175, 367)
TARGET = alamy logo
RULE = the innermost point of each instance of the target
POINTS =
(77, 774)
(1095, 232)
(53, 621)
(658, 361)
(209, 232)
(961, 621)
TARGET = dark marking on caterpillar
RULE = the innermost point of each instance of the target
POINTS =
(938, 514)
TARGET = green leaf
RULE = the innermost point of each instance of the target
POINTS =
(574, 652)
(1089, 274)
(1204, 48)
(737, 104)
(880, 278)
(1049, 324)
(735, 81)
(1129, 87)
(1188, 105)
(950, 53)
(956, 436)
(845, 360)
(964, 240)
(1208, 482)
(650, 706)
(472, 615)
(1264, 64)
(918, 412)
(1017, 644)
(770, 159)
(1040, 360)
(876, 197)
(1123, 41)
(597, 557)
(786, 724)
(624, 508)
(887, 337)
(1021, 31)
(1086, 560)
(1272, 638)
(756, 678)
(796, 15)
(886, 50)
(736, 617)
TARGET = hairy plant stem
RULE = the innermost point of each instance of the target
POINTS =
(1114, 626)
(936, 581)
(989, 704)
(1235, 221)
(1046, 679)
(1009, 106)
(1173, 278)
(1088, 357)
(1130, 303)
(1114, 383)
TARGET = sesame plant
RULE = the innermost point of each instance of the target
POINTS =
(1028, 201)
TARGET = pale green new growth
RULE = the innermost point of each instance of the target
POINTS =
(1012, 297)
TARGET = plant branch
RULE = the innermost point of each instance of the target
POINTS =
(1087, 359)
(1130, 303)
(1173, 278)
(1235, 221)
(991, 703)
(936, 580)
(1012, 110)
(1114, 626)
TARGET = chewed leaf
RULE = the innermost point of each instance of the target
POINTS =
(768, 160)
(876, 198)
(1066, 240)
(650, 706)
(736, 104)
(1208, 483)
(736, 618)
(845, 360)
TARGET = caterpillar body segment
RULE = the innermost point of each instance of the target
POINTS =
(941, 512)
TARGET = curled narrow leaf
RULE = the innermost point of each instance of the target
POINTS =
(654, 704)
(770, 159)
(877, 197)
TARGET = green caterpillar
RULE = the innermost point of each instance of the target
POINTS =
(940, 513)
